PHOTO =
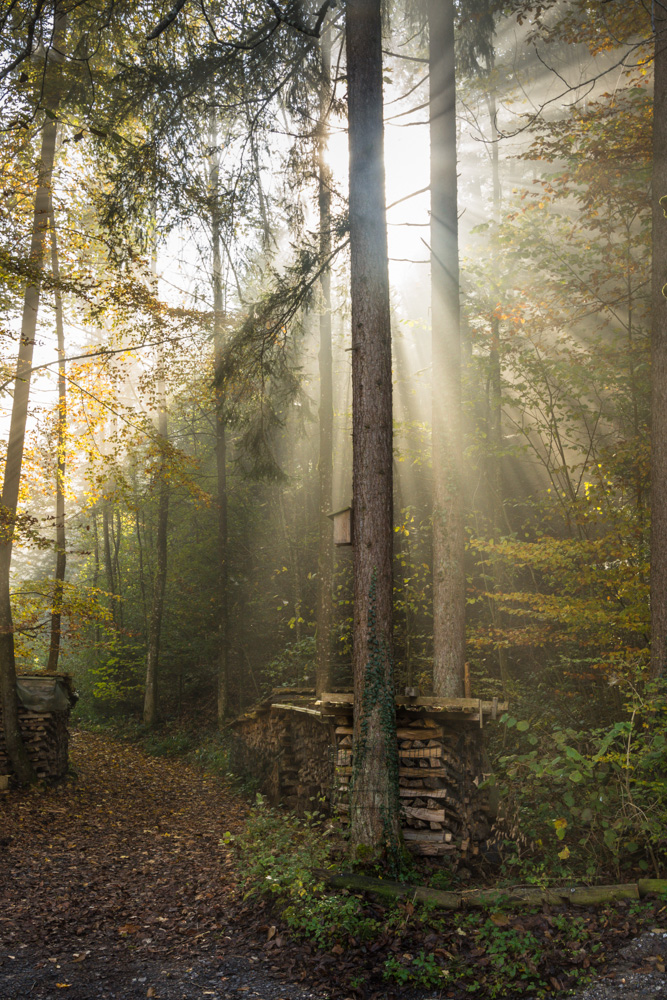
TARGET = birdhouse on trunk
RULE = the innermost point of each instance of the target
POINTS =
(343, 526)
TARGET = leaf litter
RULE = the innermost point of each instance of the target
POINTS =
(119, 885)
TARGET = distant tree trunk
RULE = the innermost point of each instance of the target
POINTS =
(12, 476)
(325, 465)
(117, 537)
(659, 356)
(96, 569)
(160, 580)
(495, 428)
(448, 538)
(142, 575)
(61, 553)
(374, 792)
(107, 515)
(220, 437)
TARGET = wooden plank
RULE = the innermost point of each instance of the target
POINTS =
(401, 733)
(428, 815)
(408, 772)
(431, 793)
(285, 707)
(432, 704)
(427, 836)
(421, 752)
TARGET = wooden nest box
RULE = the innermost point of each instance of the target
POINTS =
(343, 525)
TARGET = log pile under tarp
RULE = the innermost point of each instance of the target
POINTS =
(441, 766)
(44, 706)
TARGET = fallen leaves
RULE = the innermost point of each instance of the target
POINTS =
(165, 893)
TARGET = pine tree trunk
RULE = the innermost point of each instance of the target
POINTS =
(448, 537)
(374, 798)
(325, 465)
(220, 437)
(12, 476)
(659, 357)
(61, 553)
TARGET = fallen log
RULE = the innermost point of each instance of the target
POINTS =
(592, 895)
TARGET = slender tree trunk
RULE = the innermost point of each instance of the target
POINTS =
(325, 465)
(290, 533)
(108, 559)
(374, 793)
(142, 575)
(96, 571)
(220, 437)
(659, 356)
(495, 428)
(117, 538)
(160, 579)
(61, 553)
(448, 538)
(12, 476)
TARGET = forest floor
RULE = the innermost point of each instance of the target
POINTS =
(117, 885)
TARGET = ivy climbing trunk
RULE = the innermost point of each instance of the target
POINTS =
(448, 538)
(659, 355)
(61, 429)
(374, 791)
(220, 432)
(16, 751)
(325, 464)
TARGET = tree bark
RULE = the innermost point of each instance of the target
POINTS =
(12, 476)
(160, 580)
(659, 356)
(325, 465)
(108, 560)
(61, 553)
(374, 794)
(151, 696)
(220, 437)
(448, 537)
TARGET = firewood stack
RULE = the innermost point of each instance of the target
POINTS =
(46, 738)
(440, 769)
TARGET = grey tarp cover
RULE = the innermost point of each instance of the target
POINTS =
(43, 694)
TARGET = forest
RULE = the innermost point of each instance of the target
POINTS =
(334, 363)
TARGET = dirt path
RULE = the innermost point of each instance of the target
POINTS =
(116, 885)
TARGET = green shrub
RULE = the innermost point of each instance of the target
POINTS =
(280, 856)
(593, 799)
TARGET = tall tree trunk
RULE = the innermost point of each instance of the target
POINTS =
(160, 579)
(659, 356)
(325, 464)
(107, 514)
(494, 426)
(220, 435)
(12, 477)
(61, 553)
(374, 793)
(448, 539)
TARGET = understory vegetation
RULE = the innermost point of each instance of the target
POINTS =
(182, 371)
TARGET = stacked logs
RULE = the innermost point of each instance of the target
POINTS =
(46, 739)
(285, 747)
(440, 768)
